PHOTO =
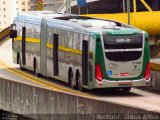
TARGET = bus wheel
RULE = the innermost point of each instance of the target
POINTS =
(36, 69)
(71, 79)
(20, 64)
(126, 89)
(82, 89)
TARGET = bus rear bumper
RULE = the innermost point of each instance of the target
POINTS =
(123, 83)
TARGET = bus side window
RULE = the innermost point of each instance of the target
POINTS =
(78, 41)
(91, 43)
(61, 40)
(65, 37)
(53, 31)
(75, 41)
(36, 31)
(49, 35)
(70, 39)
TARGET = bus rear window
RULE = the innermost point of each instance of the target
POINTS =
(123, 42)
(123, 48)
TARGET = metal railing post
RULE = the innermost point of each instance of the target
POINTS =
(128, 11)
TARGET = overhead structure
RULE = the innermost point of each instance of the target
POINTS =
(128, 10)
(5, 33)
(68, 6)
(142, 14)
(40, 5)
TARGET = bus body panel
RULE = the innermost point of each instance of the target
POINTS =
(112, 70)
(126, 62)
(32, 41)
(17, 47)
(79, 47)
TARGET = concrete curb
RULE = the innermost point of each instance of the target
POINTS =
(37, 102)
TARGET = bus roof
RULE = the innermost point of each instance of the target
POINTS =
(72, 21)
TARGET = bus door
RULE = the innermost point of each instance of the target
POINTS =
(55, 54)
(85, 62)
(23, 45)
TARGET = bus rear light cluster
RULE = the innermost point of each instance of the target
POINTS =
(147, 73)
(99, 75)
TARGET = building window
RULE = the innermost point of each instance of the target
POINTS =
(4, 16)
(23, 9)
(23, 3)
(4, 2)
(4, 9)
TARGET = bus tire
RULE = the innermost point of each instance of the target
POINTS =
(20, 63)
(82, 89)
(126, 89)
(71, 79)
(36, 69)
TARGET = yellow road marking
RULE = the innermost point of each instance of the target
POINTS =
(28, 78)
(42, 82)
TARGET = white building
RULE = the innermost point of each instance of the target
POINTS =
(10, 8)
(5, 13)
(52, 5)
(15, 8)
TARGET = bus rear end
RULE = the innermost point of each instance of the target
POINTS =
(122, 59)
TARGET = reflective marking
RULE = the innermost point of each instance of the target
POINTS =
(28, 39)
(49, 45)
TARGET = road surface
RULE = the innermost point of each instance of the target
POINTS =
(135, 98)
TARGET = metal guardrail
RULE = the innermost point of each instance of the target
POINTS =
(5, 33)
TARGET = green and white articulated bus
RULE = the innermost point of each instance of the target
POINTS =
(85, 52)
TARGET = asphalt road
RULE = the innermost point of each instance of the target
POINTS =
(135, 98)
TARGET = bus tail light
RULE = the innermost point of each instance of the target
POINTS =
(99, 75)
(147, 73)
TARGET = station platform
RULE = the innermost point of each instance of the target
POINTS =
(155, 74)
(155, 64)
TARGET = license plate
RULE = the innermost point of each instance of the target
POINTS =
(123, 74)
